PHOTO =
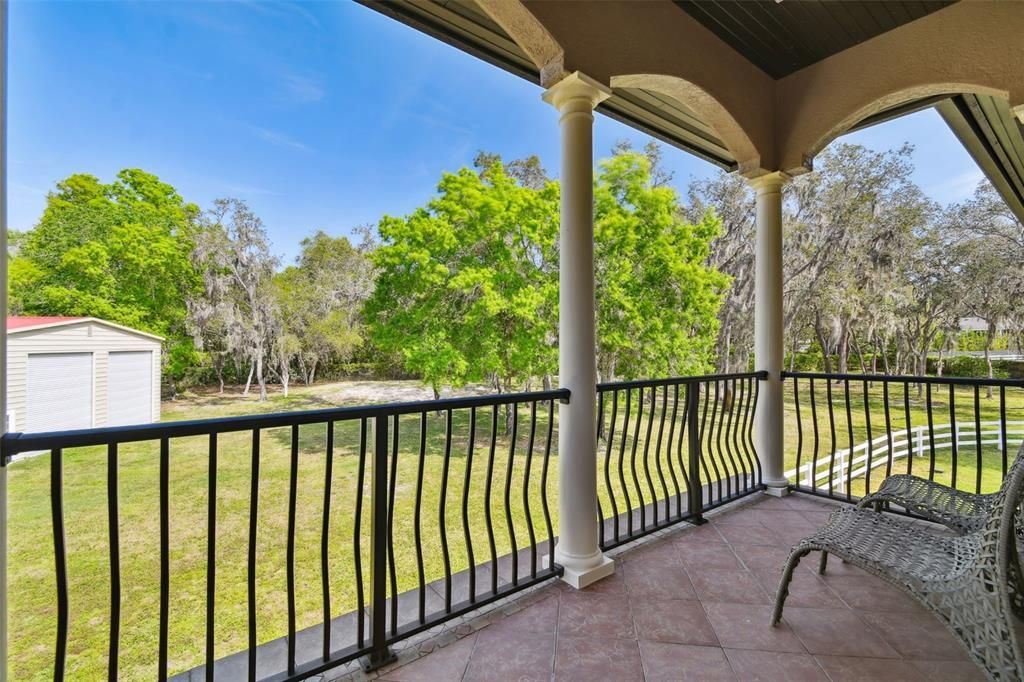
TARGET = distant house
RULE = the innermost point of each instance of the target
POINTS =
(79, 372)
(976, 324)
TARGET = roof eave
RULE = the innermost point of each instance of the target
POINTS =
(84, 320)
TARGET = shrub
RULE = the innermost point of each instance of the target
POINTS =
(974, 366)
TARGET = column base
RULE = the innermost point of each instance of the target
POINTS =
(580, 574)
(779, 488)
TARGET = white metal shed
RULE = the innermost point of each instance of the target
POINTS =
(80, 372)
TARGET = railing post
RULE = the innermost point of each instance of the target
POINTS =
(379, 654)
(694, 490)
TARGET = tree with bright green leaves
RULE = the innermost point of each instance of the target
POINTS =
(118, 251)
(657, 300)
(466, 289)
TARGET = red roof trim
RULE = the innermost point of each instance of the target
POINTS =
(21, 322)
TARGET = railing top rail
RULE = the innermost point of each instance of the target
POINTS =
(892, 378)
(677, 381)
(15, 443)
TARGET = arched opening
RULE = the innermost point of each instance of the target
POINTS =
(706, 107)
(898, 102)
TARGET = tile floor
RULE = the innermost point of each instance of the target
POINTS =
(694, 604)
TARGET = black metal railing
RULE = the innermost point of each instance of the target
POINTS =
(847, 432)
(670, 449)
(435, 509)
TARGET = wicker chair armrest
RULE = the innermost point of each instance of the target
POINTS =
(952, 508)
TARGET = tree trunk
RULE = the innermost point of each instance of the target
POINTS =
(218, 366)
(547, 382)
(990, 333)
(922, 368)
(844, 351)
(248, 382)
(940, 364)
(826, 358)
(860, 355)
(509, 408)
(726, 356)
(260, 379)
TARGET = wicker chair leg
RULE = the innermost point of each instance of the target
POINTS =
(787, 576)
(1015, 579)
(823, 564)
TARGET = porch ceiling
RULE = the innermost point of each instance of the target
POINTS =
(758, 45)
(783, 37)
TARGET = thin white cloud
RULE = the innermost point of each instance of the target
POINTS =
(956, 188)
(278, 138)
(302, 88)
(282, 10)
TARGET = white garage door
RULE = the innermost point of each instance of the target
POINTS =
(58, 391)
(130, 388)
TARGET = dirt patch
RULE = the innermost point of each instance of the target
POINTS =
(363, 392)
(208, 402)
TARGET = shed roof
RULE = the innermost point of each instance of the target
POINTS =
(17, 324)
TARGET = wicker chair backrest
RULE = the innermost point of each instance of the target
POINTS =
(999, 528)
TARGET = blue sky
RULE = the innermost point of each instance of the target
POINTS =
(320, 115)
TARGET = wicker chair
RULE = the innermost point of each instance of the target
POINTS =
(965, 580)
(957, 510)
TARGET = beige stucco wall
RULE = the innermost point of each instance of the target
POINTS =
(768, 125)
(80, 337)
(973, 47)
(612, 39)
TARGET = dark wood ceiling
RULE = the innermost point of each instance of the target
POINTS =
(783, 37)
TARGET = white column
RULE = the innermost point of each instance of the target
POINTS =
(768, 342)
(577, 551)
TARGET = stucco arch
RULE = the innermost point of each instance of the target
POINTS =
(707, 108)
(891, 100)
(529, 34)
(968, 47)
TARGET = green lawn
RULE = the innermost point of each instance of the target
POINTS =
(31, 589)
(873, 405)
(32, 593)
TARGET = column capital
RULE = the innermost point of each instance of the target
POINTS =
(576, 91)
(769, 182)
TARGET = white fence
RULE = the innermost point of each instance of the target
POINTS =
(846, 465)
